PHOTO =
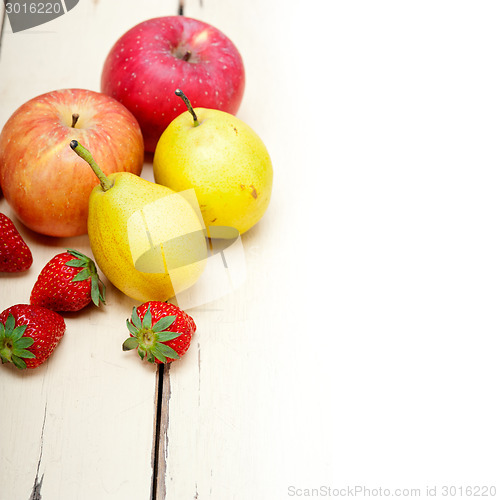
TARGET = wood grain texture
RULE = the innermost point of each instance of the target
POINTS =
(85, 418)
(82, 425)
(346, 356)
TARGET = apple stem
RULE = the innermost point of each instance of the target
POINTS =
(75, 119)
(187, 55)
(82, 152)
(180, 93)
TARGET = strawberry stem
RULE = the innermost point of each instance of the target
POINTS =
(82, 152)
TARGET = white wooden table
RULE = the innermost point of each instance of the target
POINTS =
(361, 350)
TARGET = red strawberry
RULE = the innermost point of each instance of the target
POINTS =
(15, 256)
(29, 334)
(160, 331)
(68, 282)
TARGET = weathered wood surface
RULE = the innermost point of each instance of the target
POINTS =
(361, 350)
(83, 425)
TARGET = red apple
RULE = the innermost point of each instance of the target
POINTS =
(150, 61)
(44, 182)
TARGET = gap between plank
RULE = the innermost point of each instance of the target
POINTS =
(181, 7)
(3, 21)
(160, 444)
(36, 492)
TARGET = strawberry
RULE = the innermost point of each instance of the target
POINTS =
(15, 256)
(29, 334)
(68, 282)
(161, 332)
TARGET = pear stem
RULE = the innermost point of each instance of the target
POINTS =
(82, 152)
(180, 93)
(75, 119)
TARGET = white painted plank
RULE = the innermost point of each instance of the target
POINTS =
(360, 351)
(68, 51)
(86, 415)
(84, 421)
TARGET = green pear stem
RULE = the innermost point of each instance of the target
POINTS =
(82, 152)
(180, 93)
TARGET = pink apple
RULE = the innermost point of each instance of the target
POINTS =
(150, 61)
(45, 183)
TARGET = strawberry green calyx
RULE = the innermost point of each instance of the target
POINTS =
(148, 338)
(89, 270)
(13, 346)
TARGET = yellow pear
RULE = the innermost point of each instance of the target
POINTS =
(148, 240)
(222, 159)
